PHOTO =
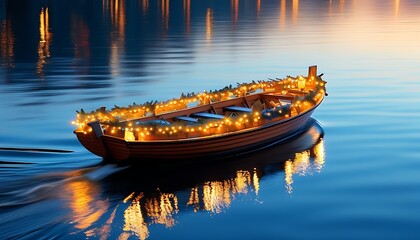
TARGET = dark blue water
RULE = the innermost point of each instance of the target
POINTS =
(353, 172)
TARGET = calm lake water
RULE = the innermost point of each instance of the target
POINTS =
(353, 172)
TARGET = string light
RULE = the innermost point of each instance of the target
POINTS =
(177, 130)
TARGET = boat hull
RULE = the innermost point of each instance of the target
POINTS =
(168, 151)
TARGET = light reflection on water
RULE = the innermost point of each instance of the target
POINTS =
(140, 210)
(59, 56)
(116, 202)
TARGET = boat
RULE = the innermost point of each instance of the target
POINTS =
(207, 125)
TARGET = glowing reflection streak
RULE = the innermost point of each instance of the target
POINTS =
(209, 24)
(187, 14)
(282, 17)
(242, 181)
(258, 7)
(145, 5)
(45, 40)
(319, 151)
(114, 60)
(117, 14)
(194, 199)
(301, 165)
(235, 10)
(161, 209)
(256, 181)
(212, 196)
(227, 193)
(125, 236)
(216, 196)
(86, 210)
(165, 14)
(397, 7)
(7, 41)
(342, 4)
(128, 197)
(134, 221)
(288, 170)
(295, 10)
(118, 19)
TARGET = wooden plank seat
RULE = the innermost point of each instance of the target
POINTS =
(187, 119)
(275, 100)
(208, 115)
(285, 102)
(155, 121)
(238, 109)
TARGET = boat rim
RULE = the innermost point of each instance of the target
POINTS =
(217, 135)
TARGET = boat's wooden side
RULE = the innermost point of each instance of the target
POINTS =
(216, 146)
(186, 149)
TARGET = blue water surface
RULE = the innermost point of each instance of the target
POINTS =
(352, 173)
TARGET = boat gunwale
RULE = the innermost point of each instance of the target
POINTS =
(215, 136)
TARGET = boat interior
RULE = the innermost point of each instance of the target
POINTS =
(219, 110)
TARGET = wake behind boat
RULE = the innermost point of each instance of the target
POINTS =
(204, 125)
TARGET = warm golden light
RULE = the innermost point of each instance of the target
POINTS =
(288, 170)
(258, 7)
(218, 195)
(397, 7)
(164, 4)
(319, 152)
(129, 135)
(282, 17)
(209, 24)
(215, 196)
(134, 221)
(145, 5)
(187, 14)
(301, 163)
(242, 181)
(295, 10)
(119, 121)
(117, 13)
(342, 5)
(128, 197)
(118, 18)
(45, 40)
(126, 123)
(162, 208)
(83, 201)
(301, 83)
(211, 196)
(194, 199)
(256, 182)
(7, 41)
(235, 10)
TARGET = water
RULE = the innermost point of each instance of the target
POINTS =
(353, 173)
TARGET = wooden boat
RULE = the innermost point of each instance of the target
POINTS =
(204, 125)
